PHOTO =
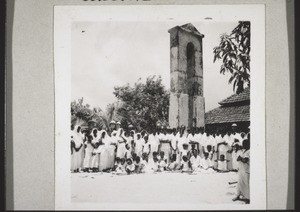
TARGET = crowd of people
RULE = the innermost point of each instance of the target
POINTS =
(163, 149)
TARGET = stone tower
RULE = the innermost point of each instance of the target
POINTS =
(186, 98)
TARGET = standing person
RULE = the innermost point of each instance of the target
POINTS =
(78, 140)
(72, 147)
(165, 144)
(201, 141)
(96, 135)
(121, 142)
(87, 163)
(112, 141)
(244, 173)
(174, 142)
(235, 154)
(182, 146)
(192, 139)
(182, 138)
(106, 153)
(154, 143)
(138, 145)
(146, 146)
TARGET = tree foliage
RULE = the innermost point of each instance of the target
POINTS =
(82, 115)
(234, 51)
(143, 104)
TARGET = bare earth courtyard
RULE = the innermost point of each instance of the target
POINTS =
(157, 188)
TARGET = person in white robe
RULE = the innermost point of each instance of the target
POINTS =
(87, 163)
(121, 142)
(154, 143)
(236, 152)
(186, 165)
(192, 140)
(195, 161)
(165, 144)
(138, 145)
(78, 138)
(107, 154)
(174, 142)
(222, 164)
(130, 167)
(244, 173)
(146, 146)
(206, 164)
(152, 165)
(96, 142)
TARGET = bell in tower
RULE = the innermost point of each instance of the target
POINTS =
(186, 97)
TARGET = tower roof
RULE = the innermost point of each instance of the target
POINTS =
(188, 28)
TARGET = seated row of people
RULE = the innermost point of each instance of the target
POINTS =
(158, 163)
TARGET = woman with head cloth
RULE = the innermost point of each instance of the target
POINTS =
(120, 144)
(72, 147)
(77, 154)
(95, 135)
(88, 156)
(103, 151)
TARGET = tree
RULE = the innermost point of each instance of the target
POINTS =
(82, 115)
(234, 50)
(143, 104)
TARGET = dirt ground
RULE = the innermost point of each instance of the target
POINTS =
(156, 188)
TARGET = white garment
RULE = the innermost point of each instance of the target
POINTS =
(128, 153)
(130, 167)
(222, 165)
(245, 167)
(174, 140)
(196, 161)
(146, 147)
(154, 142)
(185, 166)
(205, 163)
(235, 155)
(121, 149)
(182, 140)
(139, 143)
(153, 165)
(87, 163)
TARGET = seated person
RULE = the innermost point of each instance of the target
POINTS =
(120, 169)
(138, 165)
(162, 161)
(222, 164)
(117, 162)
(174, 165)
(130, 167)
(153, 163)
(206, 164)
(195, 160)
(185, 151)
(186, 165)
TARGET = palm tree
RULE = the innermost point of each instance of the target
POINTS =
(234, 50)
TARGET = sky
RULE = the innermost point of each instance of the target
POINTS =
(112, 53)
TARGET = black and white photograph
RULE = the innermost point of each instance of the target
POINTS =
(160, 107)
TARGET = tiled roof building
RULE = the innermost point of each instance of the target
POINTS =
(234, 109)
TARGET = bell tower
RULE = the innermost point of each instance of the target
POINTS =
(186, 98)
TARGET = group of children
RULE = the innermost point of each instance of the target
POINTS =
(180, 150)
